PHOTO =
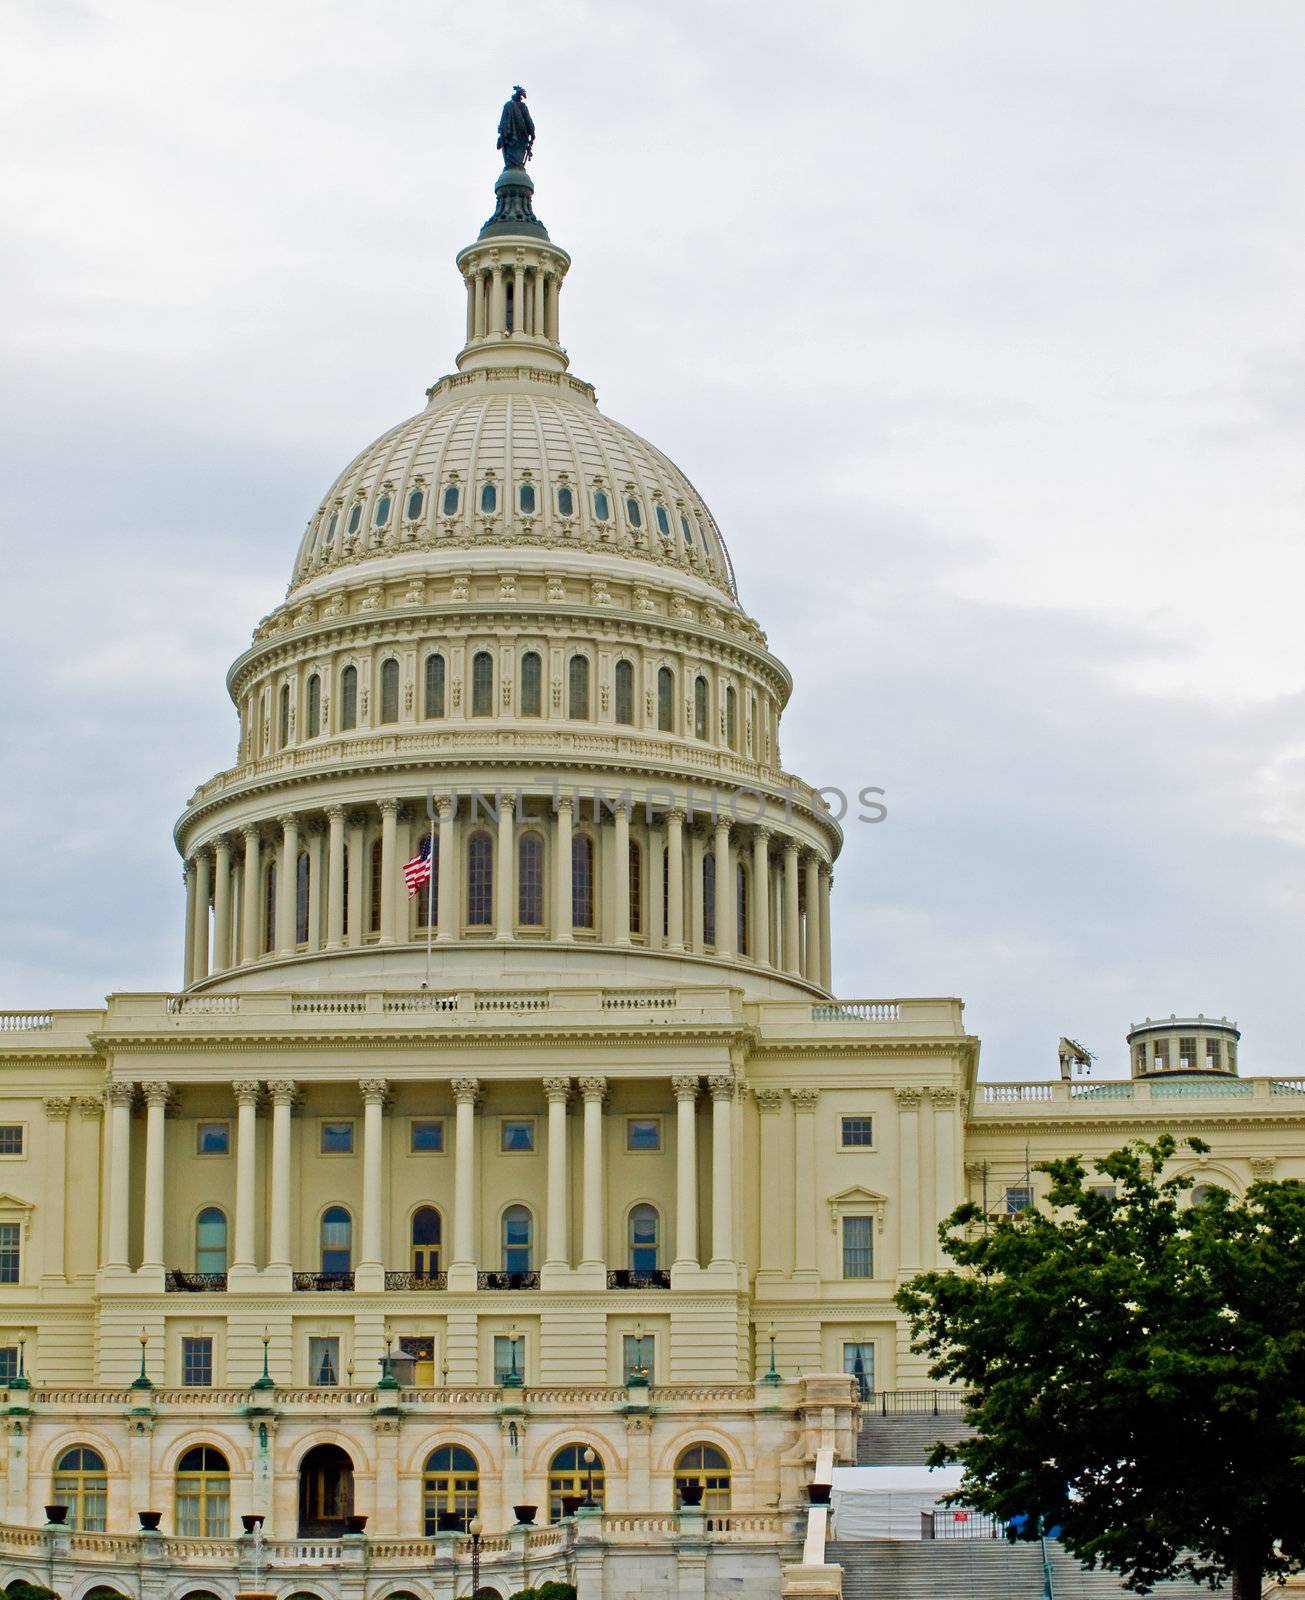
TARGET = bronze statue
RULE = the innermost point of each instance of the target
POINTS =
(516, 130)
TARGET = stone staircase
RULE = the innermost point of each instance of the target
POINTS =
(975, 1569)
(904, 1440)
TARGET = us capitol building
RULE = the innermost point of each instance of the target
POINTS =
(564, 1179)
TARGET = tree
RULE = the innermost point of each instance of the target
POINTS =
(1135, 1368)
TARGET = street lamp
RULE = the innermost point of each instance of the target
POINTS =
(589, 1458)
(475, 1528)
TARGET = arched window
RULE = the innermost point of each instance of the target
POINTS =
(434, 702)
(602, 506)
(509, 303)
(526, 499)
(325, 1489)
(302, 870)
(633, 512)
(1203, 1193)
(582, 881)
(700, 707)
(731, 718)
(452, 495)
(665, 700)
(565, 502)
(518, 1249)
(382, 513)
(337, 1240)
(702, 1466)
(482, 684)
(269, 908)
(450, 1490)
(709, 898)
(82, 1484)
(416, 501)
(663, 521)
(283, 718)
(532, 679)
(428, 895)
(211, 1240)
(636, 887)
(571, 1477)
(202, 1495)
(480, 880)
(314, 706)
(390, 690)
(377, 879)
(741, 904)
(426, 1229)
(489, 499)
(644, 1239)
(578, 689)
(349, 698)
(530, 880)
(625, 692)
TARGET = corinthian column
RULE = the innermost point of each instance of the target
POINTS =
(686, 1172)
(282, 1091)
(722, 1169)
(222, 930)
(804, 1181)
(504, 874)
(203, 893)
(156, 1103)
(446, 898)
(562, 872)
(726, 896)
(760, 906)
(908, 1158)
(558, 1248)
(792, 933)
(674, 880)
(287, 884)
(813, 968)
(246, 1093)
(389, 867)
(622, 821)
(826, 955)
(251, 898)
(119, 1098)
(371, 1267)
(54, 1220)
(334, 877)
(595, 1198)
(188, 959)
(462, 1269)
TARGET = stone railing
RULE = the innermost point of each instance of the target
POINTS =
(1276, 1096)
(25, 1021)
(847, 1018)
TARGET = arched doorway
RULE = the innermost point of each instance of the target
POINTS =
(325, 1492)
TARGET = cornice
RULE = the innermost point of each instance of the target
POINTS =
(765, 1050)
(1148, 1122)
(372, 1040)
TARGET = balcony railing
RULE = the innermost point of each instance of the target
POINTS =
(195, 1282)
(416, 1280)
(917, 1402)
(322, 1280)
(507, 1280)
(625, 1278)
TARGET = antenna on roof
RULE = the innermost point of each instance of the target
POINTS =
(1074, 1057)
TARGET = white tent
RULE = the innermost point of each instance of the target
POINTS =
(886, 1502)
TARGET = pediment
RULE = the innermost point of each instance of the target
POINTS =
(857, 1198)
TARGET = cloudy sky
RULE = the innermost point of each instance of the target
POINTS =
(978, 324)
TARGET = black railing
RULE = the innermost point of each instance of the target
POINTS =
(194, 1282)
(507, 1280)
(917, 1402)
(958, 1523)
(416, 1280)
(626, 1278)
(322, 1280)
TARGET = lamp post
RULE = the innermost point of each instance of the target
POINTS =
(589, 1458)
(143, 1382)
(475, 1528)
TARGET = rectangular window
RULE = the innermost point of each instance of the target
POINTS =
(1187, 1055)
(337, 1138)
(517, 1134)
(323, 1362)
(1105, 1190)
(9, 1238)
(637, 1353)
(8, 1362)
(11, 1138)
(859, 1363)
(643, 1133)
(1018, 1198)
(197, 1363)
(858, 1247)
(213, 1139)
(1160, 1052)
(509, 1358)
(1214, 1053)
(858, 1133)
(427, 1136)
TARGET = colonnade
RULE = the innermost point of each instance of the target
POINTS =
(280, 1094)
(534, 297)
(764, 902)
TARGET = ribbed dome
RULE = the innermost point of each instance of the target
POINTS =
(513, 457)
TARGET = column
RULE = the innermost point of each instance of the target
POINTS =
(246, 1093)
(334, 877)
(480, 305)
(727, 915)
(557, 1252)
(203, 894)
(948, 1191)
(446, 898)
(519, 297)
(282, 1091)
(908, 1160)
(222, 904)
(675, 880)
(761, 897)
(804, 1181)
(826, 958)
(771, 1257)
(403, 851)
(465, 1252)
(813, 918)
(314, 887)
(389, 867)
(562, 872)
(697, 934)
(119, 1097)
(250, 898)
(622, 828)
(156, 1105)
(188, 958)
(792, 938)
(496, 312)
(504, 870)
(722, 1168)
(470, 281)
(374, 1091)
(287, 884)
(537, 283)
(54, 1218)
(686, 1171)
(357, 873)
(593, 1252)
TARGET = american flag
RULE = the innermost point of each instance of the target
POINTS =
(417, 871)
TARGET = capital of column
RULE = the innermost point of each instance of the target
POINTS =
(287, 819)
(465, 1090)
(443, 806)
(622, 807)
(156, 1093)
(768, 1100)
(119, 1093)
(805, 1099)
(593, 1088)
(943, 1096)
(90, 1107)
(908, 1097)
(761, 834)
(335, 814)
(374, 1091)
(389, 808)
(251, 833)
(676, 814)
(58, 1107)
(791, 848)
(246, 1091)
(722, 1085)
(556, 1089)
(283, 1091)
(686, 1088)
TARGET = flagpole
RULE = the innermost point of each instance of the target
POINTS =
(430, 883)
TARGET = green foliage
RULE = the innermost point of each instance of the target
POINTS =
(552, 1590)
(20, 1589)
(1135, 1368)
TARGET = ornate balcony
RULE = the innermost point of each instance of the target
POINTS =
(624, 1278)
(195, 1282)
(507, 1280)
(322, 1280)
(416, 1281)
